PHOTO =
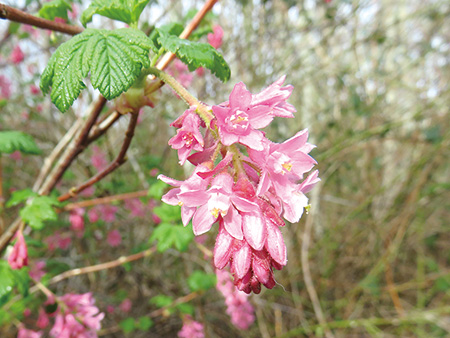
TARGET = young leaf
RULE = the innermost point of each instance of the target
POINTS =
(127, 325)
(195, 54)
(161, 301)
(127, 11)
(20, 196)
(114, 58)
(7, 281)
(201, 281)
(169, 235)
(56, 8)
(144, 323)
(39, 210)
(11, 141)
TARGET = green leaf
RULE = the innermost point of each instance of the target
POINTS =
(39, 210)
(157, 189)
(168, 213)
(114, 58)
(20, 196)
(7, 281)
(11, 141)
(169, 235)
(186, 308)
(144, 323)
(56, 8)
(172, 28)
(127, 11)
(201, 281)
(161, 301)
(195, 54)
(127, 325)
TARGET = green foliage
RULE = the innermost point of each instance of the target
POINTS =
(20, 196)
(144, 323)
(114, 58)
(9, 279)
(127, 325)
(168, 213)
(199, 280)
(193, 54)
(39, 210)
(186, 308)
(161, 301)
(127, 11)
(56, 8)
(157, 190)
(169, 235)
(11, 141)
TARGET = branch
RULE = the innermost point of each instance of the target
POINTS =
(120, 159)
(16, 15)
(103, 266)
(105, 200)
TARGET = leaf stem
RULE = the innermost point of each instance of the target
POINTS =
(202, 110)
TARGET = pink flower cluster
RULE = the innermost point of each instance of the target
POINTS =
(80, 317)
(191, 329)
(248, 191)
(18, 258)
(238, 307)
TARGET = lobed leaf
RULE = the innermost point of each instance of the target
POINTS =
(11, 141)
(199, 280)
(55, 9)
(39, 210)
(195, 54)
(169, 235)
(127, 11)
(20, 196)
(114, 58)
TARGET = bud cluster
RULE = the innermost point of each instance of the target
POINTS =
(243, 181)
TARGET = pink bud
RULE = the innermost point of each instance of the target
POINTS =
(19, 254)
(17, 55)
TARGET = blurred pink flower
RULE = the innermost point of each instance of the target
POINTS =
(191, 329)
(88, 192)
(76, 220)
(34, 89)
(110, 309)
(16, 156)
(58, 241)
(98, 158)
(17, 55)
(5, 87)
(126, 305)
(93, 215)
(43, 319)
(215, 38)
(24, 333)
(37, 270)
(26, 312)
(73, 14)
(135, 206)
(108, 212)
(18, 258)
(114, 238)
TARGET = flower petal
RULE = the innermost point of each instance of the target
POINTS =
(254, 230)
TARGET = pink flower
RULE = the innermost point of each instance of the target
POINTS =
(239, 308)
(114, 238)
(76, 220)
(37, 270)
(34, 89)
(24, 333)
(215, 38)
(136, 207)
(58, 241)
(17, 55)
(27, 312)
(98, 159)
(110, 309)
(93, 215)
(191, 329)
(18, 258)
(108, 212)
(239, 121)
(188, 136)
(5, 87)
(79, 318)
(73, 14)
(43, 319)
(16, 156)
(126, 305)
(88, 192)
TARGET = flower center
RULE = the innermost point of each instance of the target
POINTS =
(287, 166)
(238, 121)
(188, 139)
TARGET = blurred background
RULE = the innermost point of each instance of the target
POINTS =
(371, 84)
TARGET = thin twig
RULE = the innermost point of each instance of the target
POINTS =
(16, 15)
(106, 200)
(307, 274)
(120, 159)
